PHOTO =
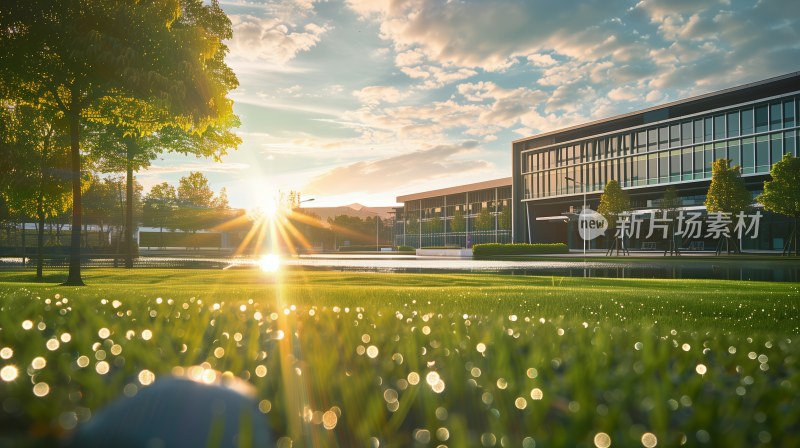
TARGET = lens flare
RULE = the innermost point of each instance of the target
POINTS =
(270, 263)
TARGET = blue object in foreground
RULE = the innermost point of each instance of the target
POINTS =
(175, 413)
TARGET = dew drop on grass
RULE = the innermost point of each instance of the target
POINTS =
(329, 420)
(38, 363)
(82, 361)
(41, 389)
(147, 335)
(146, 377)
(6, 352)
(521, 403)
(52, 344)
(649, 440)
(602, 440)
(9, 373)
(701, 369)
(528, 442)
(27, 325)
(536, 394)
(101, 367)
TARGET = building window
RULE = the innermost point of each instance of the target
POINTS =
(788, 114)
(720, 151)
(663, 167)
(762, 123)
(733, 124)
(641, 141)
(733, 152)
(652, 140)
(675, 165)
(674, 136)
(698, 162)
(775, 116)
(719, 127)
(652, 169)
(777, 147)
(708, 150)
(698, 131)
(762, 154)
(748, 156)
(686, 172)
(663, 137)
(788, 143)
(686, 133)
(708, 128)
(747, 121)
(640, 170)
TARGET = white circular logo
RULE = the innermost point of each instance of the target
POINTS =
(591, 224)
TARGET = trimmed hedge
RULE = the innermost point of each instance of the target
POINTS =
(497, 249)
(405, 249)
(442, 247)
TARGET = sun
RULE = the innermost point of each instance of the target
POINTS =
(270, 263)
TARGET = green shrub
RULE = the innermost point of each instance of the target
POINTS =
(405, 249)
(496, 249)
(442, 247)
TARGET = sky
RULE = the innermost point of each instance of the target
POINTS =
(361, 101)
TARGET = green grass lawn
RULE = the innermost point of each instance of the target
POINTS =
(459, 360)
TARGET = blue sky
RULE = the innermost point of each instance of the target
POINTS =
(364, 100)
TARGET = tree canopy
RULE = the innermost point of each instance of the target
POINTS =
(782, 195)
(613, 202)
(727, 192)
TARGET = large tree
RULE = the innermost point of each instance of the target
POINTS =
(34, 184)
(614, 202)
(82, 58)
(782, 195)
(727, 194)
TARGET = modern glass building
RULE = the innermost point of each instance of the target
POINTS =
(457, 216)
(753, 125)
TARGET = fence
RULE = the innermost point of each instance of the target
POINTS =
(455, 239)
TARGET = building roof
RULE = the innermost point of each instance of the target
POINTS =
(496, 183)
(740, 94)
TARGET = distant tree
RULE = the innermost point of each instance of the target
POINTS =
(484, 221)
(412, 224)
(195, 191)
(668, 205)
(504, 219)
(458, 223)
(727, 194)
(613, 202)
(159, 206)
(782, 195)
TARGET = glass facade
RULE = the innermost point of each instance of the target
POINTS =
(753, 136)
(458, 219)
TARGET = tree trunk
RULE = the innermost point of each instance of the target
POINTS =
(23, 243)
(40, 206)
(130, 146)
(40, 242)
(74, 277)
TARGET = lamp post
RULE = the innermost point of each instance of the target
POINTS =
(583, 186)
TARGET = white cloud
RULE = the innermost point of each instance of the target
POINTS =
(270, 40)
(377, 94)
